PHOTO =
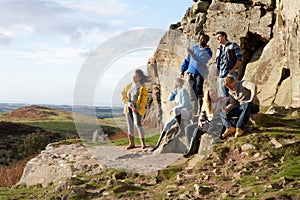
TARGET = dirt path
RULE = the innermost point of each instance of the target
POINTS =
(138, 160)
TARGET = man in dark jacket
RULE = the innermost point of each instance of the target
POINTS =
(228, 59)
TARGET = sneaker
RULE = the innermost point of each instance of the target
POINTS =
(153, 148)
(130, 147)
(144, 147)
(239, 132)
(186, 154)
(229, 131)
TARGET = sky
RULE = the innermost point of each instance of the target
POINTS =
(44, 43)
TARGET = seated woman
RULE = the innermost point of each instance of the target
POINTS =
(182, 98)
(211, 102)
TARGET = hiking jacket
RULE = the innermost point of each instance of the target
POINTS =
(141, 99)
(227, 57)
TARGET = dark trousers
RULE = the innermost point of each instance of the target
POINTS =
(242, 112)
(196, 91)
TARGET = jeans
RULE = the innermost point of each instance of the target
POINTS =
(242, 112)
(189, 130)
(196, 91)
(223, 90)
(132, 119)
(170, 123)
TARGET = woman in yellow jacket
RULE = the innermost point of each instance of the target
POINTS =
(135, 97)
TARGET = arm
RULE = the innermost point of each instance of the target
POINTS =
(143, 98)
(232, 103)
(172, 96)
(236, 66)
(239, 58)
(185, 65)
(183, 98)
(125, 99)
(252, 87)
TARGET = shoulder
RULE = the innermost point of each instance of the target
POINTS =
(208, 50)
(128, 85)
(235, 45)
(183, 91)
(246, 83)
(143, 87)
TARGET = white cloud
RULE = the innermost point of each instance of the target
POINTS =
(107, 7)
(65, 55)
(73, 20)
(5, 38)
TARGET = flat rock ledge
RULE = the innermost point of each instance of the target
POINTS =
(56, 164)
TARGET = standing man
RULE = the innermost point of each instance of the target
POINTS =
(196, 66)
(228, 58)
(242, 102)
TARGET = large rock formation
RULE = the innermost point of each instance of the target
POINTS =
(267, 31)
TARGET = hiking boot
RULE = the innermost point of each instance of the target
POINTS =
(239, 132)
(130, 147)
(229, 131)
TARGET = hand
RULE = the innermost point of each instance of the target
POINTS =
(190, 51)
(232, 70)
(131, 106)
(225, 110)
(201, 125)
(182, 74)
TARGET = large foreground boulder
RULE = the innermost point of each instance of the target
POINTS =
(59, 163)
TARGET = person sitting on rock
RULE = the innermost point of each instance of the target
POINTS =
(211, 103)
(135, 97)
(242, 102)
(182, 98)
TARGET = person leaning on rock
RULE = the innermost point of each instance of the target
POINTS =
(211, 108)
(228, 58)
(196, 66)
(135, 97)
(242, 102)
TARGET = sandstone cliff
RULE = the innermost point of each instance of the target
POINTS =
(267, 31)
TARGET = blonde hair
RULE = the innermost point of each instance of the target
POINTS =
(207, 102)
(228, 80)
(180, 81)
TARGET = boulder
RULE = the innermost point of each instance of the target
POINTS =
(58, 164)
(99, 136)
(200, 6)
(175, 140)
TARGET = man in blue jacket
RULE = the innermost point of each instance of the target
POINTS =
(228, 58)
(196, 66)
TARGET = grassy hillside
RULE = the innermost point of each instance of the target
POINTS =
(263, 165)
(26, 131)
(267, 169)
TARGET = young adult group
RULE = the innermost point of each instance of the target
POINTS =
(240, 95)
